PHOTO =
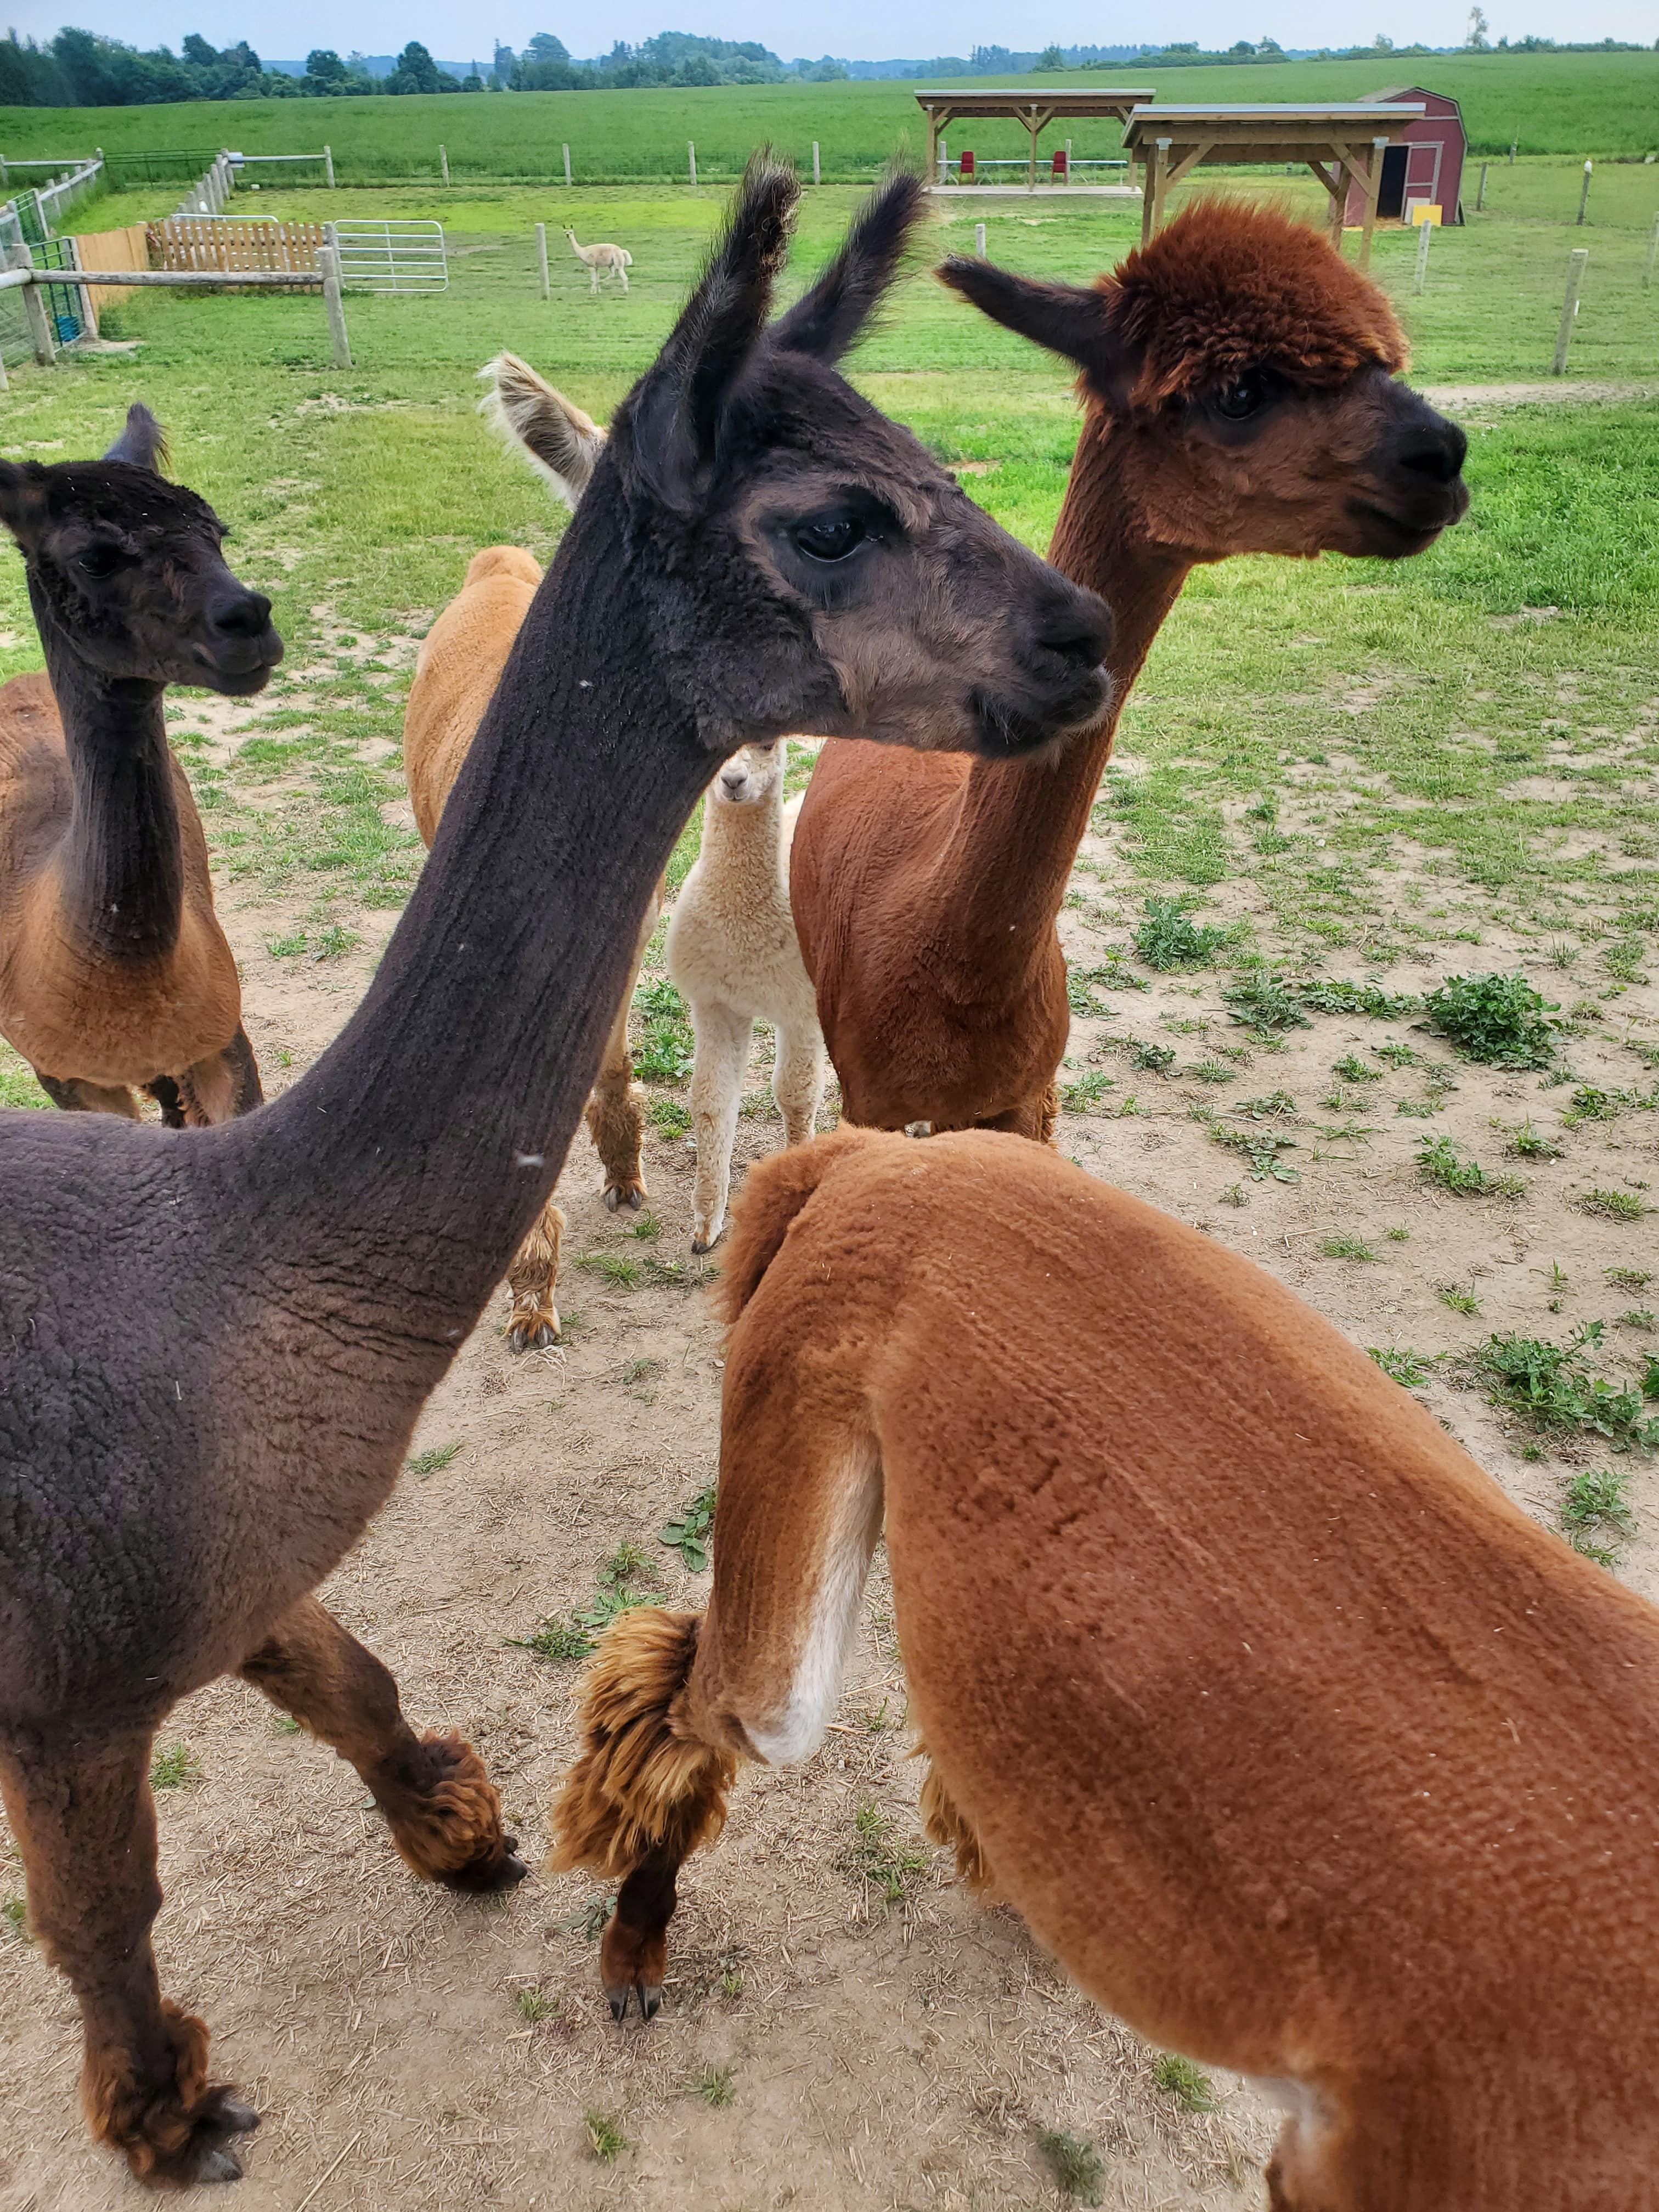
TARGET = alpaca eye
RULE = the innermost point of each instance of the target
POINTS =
(1242, 400)
(830, 536)
(99, 560)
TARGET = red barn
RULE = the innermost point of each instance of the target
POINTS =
(1427, 166)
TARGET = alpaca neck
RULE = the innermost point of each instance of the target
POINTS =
(742, 845)
(414, 1157)
(1020, 822)
(120, 865)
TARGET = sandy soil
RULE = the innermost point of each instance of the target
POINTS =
(881, 2056)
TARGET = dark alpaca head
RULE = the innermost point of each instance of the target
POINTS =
(1251, 372)
(804, 565)
(125, 571)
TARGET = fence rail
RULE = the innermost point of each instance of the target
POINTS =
(231, 242)
(391, 257)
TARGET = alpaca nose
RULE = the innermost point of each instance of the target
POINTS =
(1435, 449)
(1076, 625)
(731, 783)
(245, 615)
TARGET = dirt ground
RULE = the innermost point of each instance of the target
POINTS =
(820, 2046)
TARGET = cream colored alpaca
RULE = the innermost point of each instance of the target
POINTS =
(603, 261)
(733, 956)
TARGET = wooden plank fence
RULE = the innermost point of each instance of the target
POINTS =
(127, 248)
(226, 244)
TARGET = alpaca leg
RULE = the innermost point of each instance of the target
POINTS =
(717, 1070)
(622, 274)
(798, 1079)
(85, 1825)
(78, 1098)
(534, 1271)
(593, 280)
(221, 1086)
(444, 1813)
(615, 1106)
(165, 1091)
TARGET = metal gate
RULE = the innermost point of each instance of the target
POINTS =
(392, 257)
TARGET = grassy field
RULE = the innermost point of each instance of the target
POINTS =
(1565, 103)
(1331, 775)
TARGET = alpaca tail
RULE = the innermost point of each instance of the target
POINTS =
(643, 1782)
(628, 258)
(774, 1194)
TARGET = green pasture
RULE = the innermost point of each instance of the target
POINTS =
(1493, 706)
(1562, 103)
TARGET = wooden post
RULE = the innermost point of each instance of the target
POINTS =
(944, 162)
(931, 166)
(1480, 196)
(1033, 126)
(328, 261)
(816, 179)
(1425, 230)
(566, 165)
(541, 260)
(1653, 256)
(1372, 183)
(1584, 194)
(88, 312)
(1576, 262)
(1514, 142)
(34, 307)
(328, 166)
(979, 238)
(443, 162)
(691, 156)
(1152, 198)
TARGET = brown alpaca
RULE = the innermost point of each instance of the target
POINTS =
(1303, 1749)
(1236, 374)
(115, 976)
(215, 1343)
(456, 670)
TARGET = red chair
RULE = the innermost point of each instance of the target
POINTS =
(967, 168)
(1060, 169)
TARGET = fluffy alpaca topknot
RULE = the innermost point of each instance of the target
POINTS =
(1228, 286)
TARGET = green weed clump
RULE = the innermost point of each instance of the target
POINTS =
(1262, 1149)
(1439, 1161)
(1612, 1204)
(1083, 1094)
(605, 2139)
(1409, 1368)
(1553, 1386)
(1184, 2080)
(688, 1532)
(1168, 939)
(1263, 1003)
(1595, 1509)
(668, 1118)
(873, 1855)
(1352, 1069)
(1499, 1019)
(1346, 1248)
(663, 1053)
(431, 1462)
(1075, 2164)
(1530, 1144)
(174, 1767)
(1328, 997)
(1157, 1059)
(618, 1592)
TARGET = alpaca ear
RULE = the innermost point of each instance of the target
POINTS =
(559, 441)
(22, 497)
(676, 407)
(143, 442)
(826, 320)
(1073, 320)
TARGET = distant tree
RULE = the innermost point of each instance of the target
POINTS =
(325, 67)
(544, 48)
(1476, 39)
(1242, 48)
(416, 71)
(198, 53)
(1269, 50)
(1382, 44)
(1051, 57)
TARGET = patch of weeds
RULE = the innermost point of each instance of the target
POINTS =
(1328, 996)
(731, 1980)
(1345, 1247)
(1552, 1385)
(1629, 1279)
(1416, 1109)
(14, 1912)
(1235, 1194)
(1529, 1144)
(1083, 1094)
(664, 1052)
(1079, 997)
(1399, 1235)
(1623, 960)
(1637, 1318)
(1213, 1071)
(1439, 1162)
(1262, 1148)
(429, 1462)
(330, 942)
(1168, 939)
(713, 2086)
(688, 1532)
(605, 2139)
(620, 1272)
(534, 2006)
(1499, 1019)
(1409, 1368)
(1398, 1055)
(1596, 1515)
(646, 1229)
(874, 1857)
(575, 1637)
(1263, 1003)
(1184, 2080)
(285, 1724)
(174, 1767)
(1352, 1069)
(1111, 974)
(668, 1118)
(1463, 1302)
(1272, 1107)
(1590, 1105)
(1074, 2163)
(1156, 1058)
(555, 1639)
(1611, 1205)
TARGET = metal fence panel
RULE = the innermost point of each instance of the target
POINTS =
(392, 257)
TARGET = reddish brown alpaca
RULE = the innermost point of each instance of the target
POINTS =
(115, 976)
(1303, 1749)
(1237, 379)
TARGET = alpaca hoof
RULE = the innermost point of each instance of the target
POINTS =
(619, 1194)
(701, 1242)
(206, 2156)
(536, 1331)
(650, 1996)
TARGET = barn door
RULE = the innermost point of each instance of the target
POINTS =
(1391, 195)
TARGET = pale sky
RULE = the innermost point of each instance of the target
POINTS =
(863, 29)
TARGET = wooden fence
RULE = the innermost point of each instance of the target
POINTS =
(128, 248)
(223, 242)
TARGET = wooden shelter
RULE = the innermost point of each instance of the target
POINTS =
(1035, 110)
(1343, 145)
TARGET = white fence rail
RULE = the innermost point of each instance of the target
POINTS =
(55, 201)
(391, 257)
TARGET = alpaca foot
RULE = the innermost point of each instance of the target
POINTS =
(631, 1193)
(446, 1819)
(703, 1238)
(535, 1324)
(633, 1961)
(175, 2136)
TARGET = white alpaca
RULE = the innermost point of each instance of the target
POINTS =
(603, 260)
(734, 956)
